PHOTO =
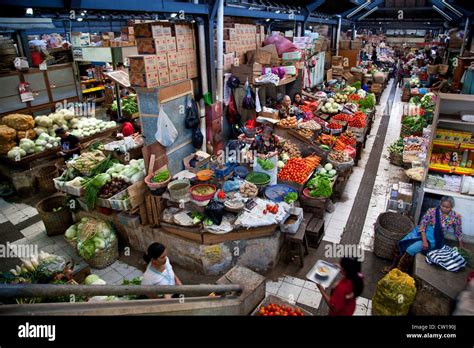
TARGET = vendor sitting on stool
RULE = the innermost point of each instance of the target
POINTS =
(266, 145)
(127, 129)
(429, 235)
(159, 270)
(297, 100)
(286, 107)
(70, 144)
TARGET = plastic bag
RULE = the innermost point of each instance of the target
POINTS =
(166, 132)
(282, 44)
(232, 113)
(258, 107)
(231, 185)
(192, 115)
(215, 212)
(197, 138)
(394, 294)
(248, 102)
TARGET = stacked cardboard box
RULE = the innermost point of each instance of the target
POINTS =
(337, 67)
(239, 38)
(173, 47)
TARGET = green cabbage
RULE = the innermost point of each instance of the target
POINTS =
(91, 279)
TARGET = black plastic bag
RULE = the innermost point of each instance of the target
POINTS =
(197, 138)
(215, 212)
(192, 114)
(249, 102)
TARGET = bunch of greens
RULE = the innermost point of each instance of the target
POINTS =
(92, 188)
(415, 100)
(93, 235)
(291, 197)
(320, 186)
(396, 147)
(161, 176)
(357, 85)
(266, 164)
(129, 105)
(368, 102)
(414, 123)
(103, 166)
(134, 281)
(197, 217)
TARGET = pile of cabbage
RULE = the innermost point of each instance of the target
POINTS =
(331, 106)
(91, 243)
(86, 127)
(94, 279)
(63, 118)
(132, 172)
(27, 146)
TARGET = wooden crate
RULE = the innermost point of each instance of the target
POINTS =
(314, 230)
(278, 301)
(154, 206)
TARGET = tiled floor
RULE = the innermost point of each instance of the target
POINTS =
(303, 292)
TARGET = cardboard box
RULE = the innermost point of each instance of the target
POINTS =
(161, 29)
(171, 44)
(182, 72)
(143, 30)
(337, 60)
(345, 44)
(242, 72)
(270, 113)
(192, 71)
(228, 61)
(161, 44)
(146, 46)
(230, 34)
(183, 29)
(148, 80)
(143, 64)
(259, 56)
(181, 57)
(172, 59)
(292, 55)
(180, 43)
(189, 42)
(191, 58)
(162, 60)
(174, 74)
(356, 44)
(131, 31)
(164, 76)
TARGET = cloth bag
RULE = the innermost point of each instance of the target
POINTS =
(166, 132)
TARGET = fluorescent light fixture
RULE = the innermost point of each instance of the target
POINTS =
(173, 15)
(442, 13)
(267, 20)
(448, 5)
(29, 11)
(364, 5)
(103, 17)
(277, 11)
(368, 13)
(79, 19)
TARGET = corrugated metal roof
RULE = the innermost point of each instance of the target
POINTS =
(26, 23)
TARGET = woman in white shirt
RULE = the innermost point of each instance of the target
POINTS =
(159, 270)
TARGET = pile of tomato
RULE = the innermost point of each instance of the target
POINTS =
(274, 310)
(295, 170)
(359, 120)
(334, 125)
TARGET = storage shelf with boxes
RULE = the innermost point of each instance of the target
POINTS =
(167, 54)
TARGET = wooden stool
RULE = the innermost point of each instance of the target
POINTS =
(299, 239)
(315, 232)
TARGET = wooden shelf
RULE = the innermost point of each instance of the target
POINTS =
(282, 82)
(89, 81)
(448, 193)
(454, 120)
(456, 97)
(447, 169)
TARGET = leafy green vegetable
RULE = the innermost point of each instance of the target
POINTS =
(129, 105)
(368, 102)
(266, 164)
(357, 85)
(291, 197)
(320, 187)
(161, 176)
(197, 217)
(415, 123)
(208, 222)
(396, 147)
(103, 166)
(92, 188)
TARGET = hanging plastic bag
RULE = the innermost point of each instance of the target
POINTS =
(232, 113)
(258, 107)
(166, 132)
(215, 212)
(192, 115)
(248, 102)
(197, 138)
(227, 90)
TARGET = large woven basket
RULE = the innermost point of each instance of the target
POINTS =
(105, 257)
(57, 222)
(45, 176)
(396, 159)
(389, 229)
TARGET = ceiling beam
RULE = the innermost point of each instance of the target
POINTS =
(374, 4)
(313, 5)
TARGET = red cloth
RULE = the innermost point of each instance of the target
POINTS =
(127, 129)
(342, 300)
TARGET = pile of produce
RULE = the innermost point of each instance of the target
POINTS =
(348, 138)
(327, 140)
(367, 102)
(266, 164)
(320, 186)
(295, 170)
(92, 235)
(341, 117)
(19, 122)
(63, 118)
(290, 150)
(271, 208)
(339, 156)
(88, 126)
(328, 171)
(92, 188)
(308, 134)
(415, 124)
(7, 139)
(396, 147)
(310, 125)
(44, 142)
(394, 294)
(359, 120)
(340, 98)
(132, 172)
(128, 105)
(248, 190)
(331, 107)
(279, 310)
(291, 197)
(289, 122)
(90, 162)
(114, 186)
(339, 145)
(161, 176)
(334, 125)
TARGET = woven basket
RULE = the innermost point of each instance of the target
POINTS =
(105, 257)
(341, 166)
(56, 223)
(389, 229)
(156, 185)
(45, 176)
(72, 243)
(396, 159)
